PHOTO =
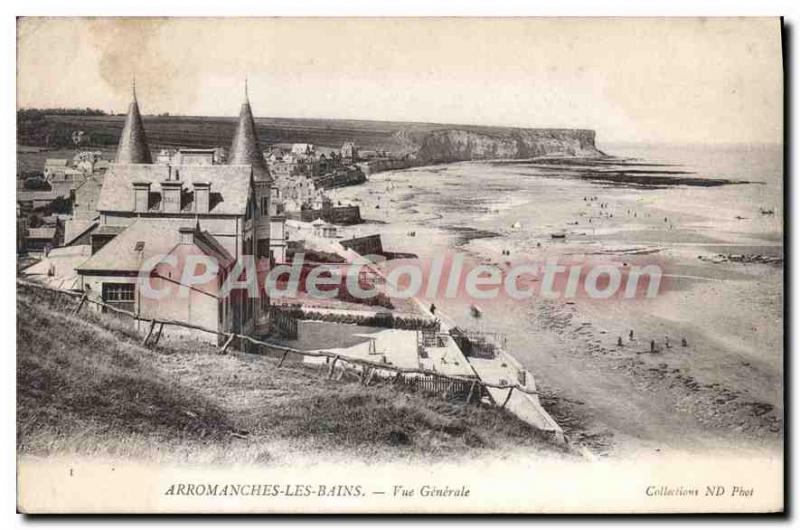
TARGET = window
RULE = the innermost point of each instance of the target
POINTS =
(120, 295)
(263, 248)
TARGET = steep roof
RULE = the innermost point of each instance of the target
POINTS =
(133, 148)
(77, 228)
(230, 186)
(93, 179)
(57, 269)
(211, 246)
(147, 238)
(245, 148)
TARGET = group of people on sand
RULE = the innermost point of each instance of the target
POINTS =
(653, 344)
(602, 205)
(628, 212)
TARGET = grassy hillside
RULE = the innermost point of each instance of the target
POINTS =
(86, 386)
(199, 131)
(210, 131)
(31, 160)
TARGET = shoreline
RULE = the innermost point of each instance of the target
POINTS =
(719, 408)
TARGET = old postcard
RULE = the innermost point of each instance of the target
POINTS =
(400, 265)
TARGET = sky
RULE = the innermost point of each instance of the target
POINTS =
(631, 80)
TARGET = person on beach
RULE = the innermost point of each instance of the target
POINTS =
(630, 335)
(619, 341)
(666, 341)
(433, 309)
(652, 346)
(684, 343)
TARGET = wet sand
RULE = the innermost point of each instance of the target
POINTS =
(722, 390)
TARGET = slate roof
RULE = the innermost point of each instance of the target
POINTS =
(61, 263)
(212, 247)
(106, 230)
(230, 186)
(145, 239)
(245, 147)
(96, 179)
(77, 228)
(132, 147)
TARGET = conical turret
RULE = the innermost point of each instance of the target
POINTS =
(245, 148)
(133, 148)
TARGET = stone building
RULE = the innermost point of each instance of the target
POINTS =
(187, 156)
(86, 198)
(41, 240)
(303, 149)
(277, 231)
(225, 206)
(349, 152)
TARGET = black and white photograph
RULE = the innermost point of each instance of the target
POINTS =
(437, 265)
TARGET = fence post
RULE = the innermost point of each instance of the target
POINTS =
(333, 365)
(149, 332)
(158, 334)
(285, 353)
(471, 390)
(80, 304)
(227, 343)
(447, 390)
(368, 376)
(508, 397)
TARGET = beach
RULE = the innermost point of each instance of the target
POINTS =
(714, 380)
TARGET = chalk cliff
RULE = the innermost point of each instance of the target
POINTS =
(457, 144)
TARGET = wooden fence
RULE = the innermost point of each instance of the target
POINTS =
(421, 378)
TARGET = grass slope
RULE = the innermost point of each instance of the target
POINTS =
(213, 131)
(86, 386)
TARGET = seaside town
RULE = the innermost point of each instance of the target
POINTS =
(88, 224)
(411, 265)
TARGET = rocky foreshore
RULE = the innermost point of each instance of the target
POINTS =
(743, 258)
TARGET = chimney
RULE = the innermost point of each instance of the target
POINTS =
(141, 196)
(187, 235)
(202, 197)
(171, 196)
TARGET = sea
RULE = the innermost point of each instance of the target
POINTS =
(729, 314)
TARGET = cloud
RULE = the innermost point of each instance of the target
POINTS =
(673, 80)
